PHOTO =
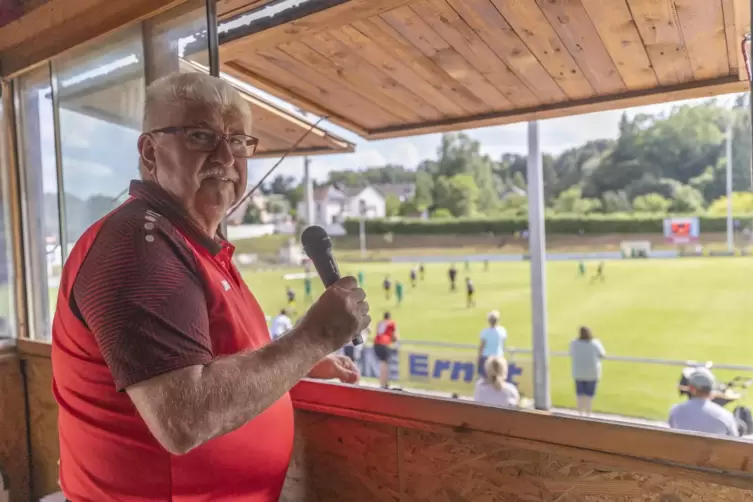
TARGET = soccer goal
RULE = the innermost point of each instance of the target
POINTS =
(635, 249)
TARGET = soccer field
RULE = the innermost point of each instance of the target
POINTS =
(691, 308)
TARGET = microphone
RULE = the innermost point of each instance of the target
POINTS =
(318, 247)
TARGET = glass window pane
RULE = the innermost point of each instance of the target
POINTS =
(101, 99)
(36, 145)
(176, 40)
(7, 313)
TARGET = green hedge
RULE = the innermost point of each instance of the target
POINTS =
(560, 224)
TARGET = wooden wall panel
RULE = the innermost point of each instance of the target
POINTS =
(454, 468)
(43, 426)
(338, 459)
(381, 457)
(14, 452)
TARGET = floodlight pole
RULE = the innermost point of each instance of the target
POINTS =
(308, 191)
(730, 224)
(542, 398)
(362, 227)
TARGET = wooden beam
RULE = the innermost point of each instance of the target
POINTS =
(231, 8)
(244, 75)
(736, 24)
(715, 460)
(626, 100)
(334, 17)
(615, 25)
(62, 24)
(301, 152)
(703, 31)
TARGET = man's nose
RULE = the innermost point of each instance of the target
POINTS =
(223, 154)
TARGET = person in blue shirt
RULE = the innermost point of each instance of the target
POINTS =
(492, 341)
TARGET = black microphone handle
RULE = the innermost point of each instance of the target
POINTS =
(330, 274)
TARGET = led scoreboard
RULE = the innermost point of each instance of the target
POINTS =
(681, 230)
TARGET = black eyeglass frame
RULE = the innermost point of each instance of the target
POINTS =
(254, 141)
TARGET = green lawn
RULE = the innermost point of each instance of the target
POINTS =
(671, 309)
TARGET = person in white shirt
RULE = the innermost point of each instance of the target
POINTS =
(281, 324)
(492, 341)
(493, 388)
(699, 413)
(586, 353)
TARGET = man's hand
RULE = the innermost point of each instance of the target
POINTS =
(335, 318)
(340, 367)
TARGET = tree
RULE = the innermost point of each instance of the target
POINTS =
(275, 205)
(392, 205)
(411, 208)
(742, 203)
(441, 214)
(464, 195)
(686, 199)
(514, 205)
(571, 201)
(375, 175)
(616, 202)
(652, 203)
(424, 188)
(253, 215)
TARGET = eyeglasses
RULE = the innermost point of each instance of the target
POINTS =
(202, 139)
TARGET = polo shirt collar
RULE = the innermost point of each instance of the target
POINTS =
(166, 204)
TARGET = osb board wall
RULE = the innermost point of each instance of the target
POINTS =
(14, 453)
(43, 426)
(342, 459)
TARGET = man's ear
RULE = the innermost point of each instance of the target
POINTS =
(147, 153)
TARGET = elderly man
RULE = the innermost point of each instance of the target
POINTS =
(168, 385)
(699, 413)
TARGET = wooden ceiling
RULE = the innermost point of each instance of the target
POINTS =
(119, 99)
(389, 68)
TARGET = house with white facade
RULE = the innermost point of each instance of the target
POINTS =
(334, 205)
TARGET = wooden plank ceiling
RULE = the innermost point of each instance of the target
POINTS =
(389, 68)
(121, 100)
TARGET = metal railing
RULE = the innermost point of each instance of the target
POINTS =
(626, 359)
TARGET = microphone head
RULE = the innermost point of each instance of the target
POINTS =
(314, 238)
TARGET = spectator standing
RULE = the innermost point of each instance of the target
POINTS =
(494, 388)
(586, 353)
(281, 324)
(386, 335)
(492, 341)
(700, 413)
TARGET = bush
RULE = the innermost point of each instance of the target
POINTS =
(595, 224)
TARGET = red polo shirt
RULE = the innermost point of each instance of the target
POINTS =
(145, 292)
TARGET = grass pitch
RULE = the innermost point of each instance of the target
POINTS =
(691, 308)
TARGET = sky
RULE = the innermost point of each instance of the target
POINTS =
(101, 157)
(556, 135)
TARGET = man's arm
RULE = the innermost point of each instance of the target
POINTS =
(190, 406)
(187, 407)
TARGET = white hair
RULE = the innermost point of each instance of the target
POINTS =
(192, 87)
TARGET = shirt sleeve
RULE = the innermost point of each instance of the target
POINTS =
(600, 348)
(140, 294)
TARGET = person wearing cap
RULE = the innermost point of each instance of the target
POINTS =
(492, 341)
(700, 413)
